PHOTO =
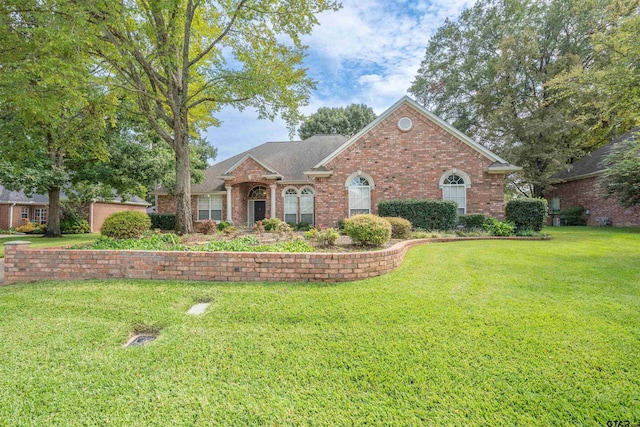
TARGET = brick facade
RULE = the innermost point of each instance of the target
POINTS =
(584, 192)
(401, 164)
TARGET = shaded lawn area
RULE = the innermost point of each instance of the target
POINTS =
(534, 333)
(38, 241)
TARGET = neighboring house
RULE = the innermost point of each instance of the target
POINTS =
(405, 153)
(15, 207)
(578, 186)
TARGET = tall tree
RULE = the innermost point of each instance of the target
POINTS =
(185, 59)
(622, 175)
(489, 74)
(346, 121)
(51, 113)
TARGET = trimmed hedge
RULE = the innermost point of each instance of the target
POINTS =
(400, 227)
(368, 230)
(424, 214)
(472, 221)
(126, 225)
(163, 221)
(527, 214)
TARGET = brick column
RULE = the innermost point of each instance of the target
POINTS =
(11, 272)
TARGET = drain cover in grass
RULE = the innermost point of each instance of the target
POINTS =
(140, 340)
(199, 308)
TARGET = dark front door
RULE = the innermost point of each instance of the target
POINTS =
(259, 210)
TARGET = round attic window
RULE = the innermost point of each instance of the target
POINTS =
(405, 124)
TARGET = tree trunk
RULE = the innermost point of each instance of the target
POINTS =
(53, 225)
(184, 221)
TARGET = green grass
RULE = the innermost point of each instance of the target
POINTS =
(487, 333)
(42, 242)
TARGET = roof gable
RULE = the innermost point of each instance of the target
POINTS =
(263, 165)
(430, 116)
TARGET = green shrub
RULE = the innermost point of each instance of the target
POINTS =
(400, 227)
(71, 210)
(425, 214)
(574, 215)
(527, 214)
(224, 225)
(126, 225)
(275, 225)
(163, 221)
(74, 226)
(27, 227)
(472, 221)
(321, 236)
(368, 230)
(302, 226)
(499, 228)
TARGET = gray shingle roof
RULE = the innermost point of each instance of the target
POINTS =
(8, 196)
(593, 163)
(289, 159)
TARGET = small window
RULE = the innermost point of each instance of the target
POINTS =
(554, 205)
(24, 214)
(405, 124)
(210, 207)
(307, 205)
(359, 196)
(291, 206)
(259, 192)
(40, 215)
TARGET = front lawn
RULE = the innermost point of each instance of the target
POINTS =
(534, 333)
(42, 242)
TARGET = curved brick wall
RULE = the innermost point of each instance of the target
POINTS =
(23, 264)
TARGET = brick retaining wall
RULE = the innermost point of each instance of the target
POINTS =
(24, 264)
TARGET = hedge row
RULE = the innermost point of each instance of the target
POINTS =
(527, 214)
(424, 214)
(163, 221)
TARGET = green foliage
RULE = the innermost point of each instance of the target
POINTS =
(275, 225)
(346, 121)
(150, 242)
(74, 226)
(472, 221)
(573, 215)
(621, 178)
(302, 226)
(28, 227)
(163, 221)
(527, 214)
(424, 214)
(368, 230)
(126, 225)
(499, 228)
(488, 73)
(223, 225)
(400, 227)
(323, 237)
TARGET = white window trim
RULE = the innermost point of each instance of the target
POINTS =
(467, 184)
(313, 213)
(209, 207)
(284, 204)
(348, 186)
(454, 171)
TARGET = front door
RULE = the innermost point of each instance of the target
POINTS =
(259, 210)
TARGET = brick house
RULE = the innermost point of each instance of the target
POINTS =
(15, 207)
(405, 153)
(578, 186)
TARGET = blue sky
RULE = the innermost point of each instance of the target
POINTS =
(367, 52)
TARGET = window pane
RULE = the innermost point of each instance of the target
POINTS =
(308, 218)
(203, 215)
(306, 204)
(359, 211)
(216, 202)
(290, 218)
(216, 215)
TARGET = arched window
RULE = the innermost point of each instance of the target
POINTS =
(359, 186)
(454, 188)
(259, 192)
(307, 205)
(290, 205)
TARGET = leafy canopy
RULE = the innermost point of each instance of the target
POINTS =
(346, 121)
(489, 72)
(621, 178)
